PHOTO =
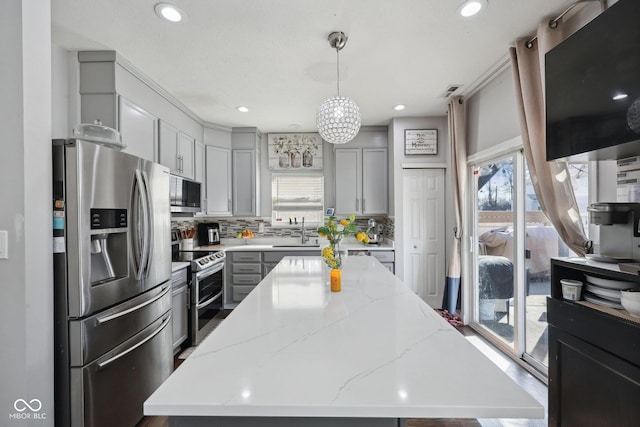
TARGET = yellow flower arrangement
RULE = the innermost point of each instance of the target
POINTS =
(334, 230)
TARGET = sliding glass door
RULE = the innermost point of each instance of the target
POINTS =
(496, 256)
(513, 242)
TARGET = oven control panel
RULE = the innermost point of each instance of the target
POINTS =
(209, 260)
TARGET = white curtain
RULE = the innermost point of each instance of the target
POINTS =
(550, 180)
(458, 158)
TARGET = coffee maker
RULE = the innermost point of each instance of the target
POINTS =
(619, 229)
(208, 233)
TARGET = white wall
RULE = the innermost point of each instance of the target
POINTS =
(26, 288)
(397, 158)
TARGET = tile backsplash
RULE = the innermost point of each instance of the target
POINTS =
(229, 227)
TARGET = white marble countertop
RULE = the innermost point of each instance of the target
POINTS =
(292, 348)
(179, 265)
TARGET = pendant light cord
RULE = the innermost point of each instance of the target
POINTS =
(338, 69)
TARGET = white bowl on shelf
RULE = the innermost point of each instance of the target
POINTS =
(630, 300)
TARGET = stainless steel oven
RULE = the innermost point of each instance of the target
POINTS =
(206, 294)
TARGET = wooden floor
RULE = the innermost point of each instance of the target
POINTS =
(527, 381)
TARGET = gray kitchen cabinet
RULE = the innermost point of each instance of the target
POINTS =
(386, 258)
(218, 179)
(246, 269)
(199, 172)
(348, 180)
(180, 304)
(244, 182)
(177, 150)
(244, 272)
(113, 92)
(375, 181)
(138, 129)
(245, 171)
(361, 181)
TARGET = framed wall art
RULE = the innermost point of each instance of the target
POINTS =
(420, 141)
(295, 151)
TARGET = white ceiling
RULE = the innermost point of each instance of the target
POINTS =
(273, 55)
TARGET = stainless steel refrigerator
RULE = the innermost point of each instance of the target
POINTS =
(112, 271)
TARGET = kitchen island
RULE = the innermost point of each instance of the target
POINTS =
(294, 354)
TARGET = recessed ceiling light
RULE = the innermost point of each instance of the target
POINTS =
(170, 12)
(399, 107)
(242, 109)
(620, 96)
(471, 7)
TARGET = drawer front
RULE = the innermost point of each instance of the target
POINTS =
(246, 268)
(383, 256)
(241, 292)
(246, 279)
(246, 256)
(179, 277)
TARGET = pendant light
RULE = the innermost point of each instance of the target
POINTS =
(338, 118)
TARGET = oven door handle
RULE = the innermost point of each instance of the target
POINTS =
(133, 347)
(209, 271)
(209, 301)
(105, 319)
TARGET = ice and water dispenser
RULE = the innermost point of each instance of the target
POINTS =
(108, 245)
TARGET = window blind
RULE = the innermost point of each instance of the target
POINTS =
(297, 197)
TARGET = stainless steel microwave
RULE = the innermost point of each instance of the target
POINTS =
(184, 195)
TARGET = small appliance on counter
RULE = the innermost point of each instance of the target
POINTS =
(619, 232)
(208, 234)
(374, 232)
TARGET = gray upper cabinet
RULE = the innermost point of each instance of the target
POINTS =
(245, 173)
(139, 130)
(361, 181)
(218, 181)
(113, 92)
(375, 182)
(348, 180)
(200, 172)
(244, 182)
(177, 151)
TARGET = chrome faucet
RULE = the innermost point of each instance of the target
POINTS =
(303, 233)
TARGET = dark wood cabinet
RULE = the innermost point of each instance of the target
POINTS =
(594, 357)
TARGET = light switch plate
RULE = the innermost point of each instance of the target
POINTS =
(4, 244)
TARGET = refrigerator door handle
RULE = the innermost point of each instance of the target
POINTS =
(105, 319)
(148, 236)
(143, 253)
(109, 361)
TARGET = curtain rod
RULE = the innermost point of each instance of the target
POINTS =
(554, 22)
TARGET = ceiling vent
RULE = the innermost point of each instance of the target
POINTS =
(450, 90)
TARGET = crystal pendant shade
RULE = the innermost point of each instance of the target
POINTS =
(338, 120)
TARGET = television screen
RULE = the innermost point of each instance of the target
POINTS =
(593, 87)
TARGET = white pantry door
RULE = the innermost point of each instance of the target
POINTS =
(424, 224)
